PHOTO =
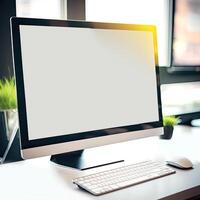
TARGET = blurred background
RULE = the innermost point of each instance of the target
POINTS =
(178, 29)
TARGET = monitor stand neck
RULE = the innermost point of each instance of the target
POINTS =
(82, 160)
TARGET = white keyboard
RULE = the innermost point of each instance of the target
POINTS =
(115, 179)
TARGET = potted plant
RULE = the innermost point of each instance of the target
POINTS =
(8, 115)
(169, 122)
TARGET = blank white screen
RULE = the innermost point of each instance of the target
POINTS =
(82, 79)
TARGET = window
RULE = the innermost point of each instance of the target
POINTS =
(51, 9)
(154, 12)
(176, 102)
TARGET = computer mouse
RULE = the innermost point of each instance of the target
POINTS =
(180, 162)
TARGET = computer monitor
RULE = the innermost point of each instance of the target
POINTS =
(84, 84)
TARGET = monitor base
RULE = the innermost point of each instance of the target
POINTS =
(82, 160)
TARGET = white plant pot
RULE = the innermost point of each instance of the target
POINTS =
(8, 121)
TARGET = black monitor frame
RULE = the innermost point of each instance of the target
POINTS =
(25, 142)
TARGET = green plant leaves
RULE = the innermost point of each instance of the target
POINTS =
(7, 94)
(170, 120)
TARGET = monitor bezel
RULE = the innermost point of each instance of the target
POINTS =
(17, 59)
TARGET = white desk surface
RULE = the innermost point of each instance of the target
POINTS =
(39, 179)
